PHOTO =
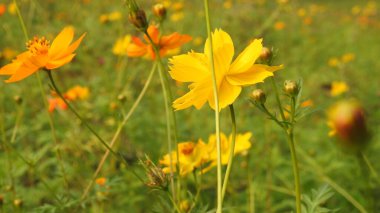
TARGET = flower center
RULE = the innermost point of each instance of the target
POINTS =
(187, 150)
(38, 46)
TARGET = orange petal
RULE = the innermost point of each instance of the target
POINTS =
(11, 68)
(174, 40)
(61, 42)
(23, 72)
(153, 33)
(59, 62)
(135, 50)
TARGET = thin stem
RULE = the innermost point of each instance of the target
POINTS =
(77, 114)
(274, 85)
(290, 136)
(232, 151)
(216, 101)
(370, 167)
(51, 123)
(173, 202)
(119, 129)
(170, 116)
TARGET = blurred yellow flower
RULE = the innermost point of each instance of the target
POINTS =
(332, 131)
(177, 6)
(113, 16)
(338, 88)
(333, 62)
(301, 12)
(177, 16)
(198, 41)
(355, 10)
(348, 57)
(8, 53)
(227, 4)
(12, 8)
(231, 77)
(279, 25)
(121, 45)
(191, 156)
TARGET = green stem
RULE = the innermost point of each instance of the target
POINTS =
(77, 114)
(170, 116)
(51, 123)
(232, 151)
(274, 85)
(216, 101)
(119, 129)
(290, 136)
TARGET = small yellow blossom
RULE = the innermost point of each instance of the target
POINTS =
(301, 12)
(177, 16)
(334, 62)
(356, 10)
(77, 92)
(198, 41)
(227, 4)
(114, 16)
(338, 88)
(12, 8)
(348, 57)
(177, 6)
(121, 45)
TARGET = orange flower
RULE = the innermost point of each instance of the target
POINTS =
(101, 181)
(138, 48)
(41, 54)
(2, 9)
(55, 103)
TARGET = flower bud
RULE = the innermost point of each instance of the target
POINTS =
(259, 96)
(348, 123)
(17, 99)
(1, 200)
(266, 54)
(17, 202)
(291, 88)
(159, 11)
(138, 18)
(156, 177)
(122, 98)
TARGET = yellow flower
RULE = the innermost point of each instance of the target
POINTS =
(12, 8)
(348, 57)
(338, 88)
(334, 62)
(301, 12)
(121, 45)
(194, 67)
(191, 155)
(177, 16)
(114, 16)
(227, 4)
(41, 54)
(242, 144)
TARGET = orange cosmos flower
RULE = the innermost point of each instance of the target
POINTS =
(41, 54)
(138, 48)
(56, 103)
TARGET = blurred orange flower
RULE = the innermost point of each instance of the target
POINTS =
(138, 48)
(41, 54)
(56, 103)
(338, 88)
(101, 181)
(2, 9)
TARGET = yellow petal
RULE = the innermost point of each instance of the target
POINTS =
(61, 42)
(191, 67)
(11, 68)
(247, 58)
(257, 73)
(223, 52)
(227, 95)
(197, 96)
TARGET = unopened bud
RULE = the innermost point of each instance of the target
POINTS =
(17, 202)
(159, 11)
(266, 54)
(138, 18)
(122, 98)
(259, 96)
(17, 99)
(1, 200)
(348, 123)
(291, 88)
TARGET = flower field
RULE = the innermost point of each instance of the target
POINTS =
(189, 106)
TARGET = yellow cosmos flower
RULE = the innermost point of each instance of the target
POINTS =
(338, 88)
(348, 57)
(242, 144)
(195, 67)
(41, 54)
(121, 45)
(191, 156)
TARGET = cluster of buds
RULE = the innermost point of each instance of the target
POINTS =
(137, 16)
(156, 177)
(348, 122)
